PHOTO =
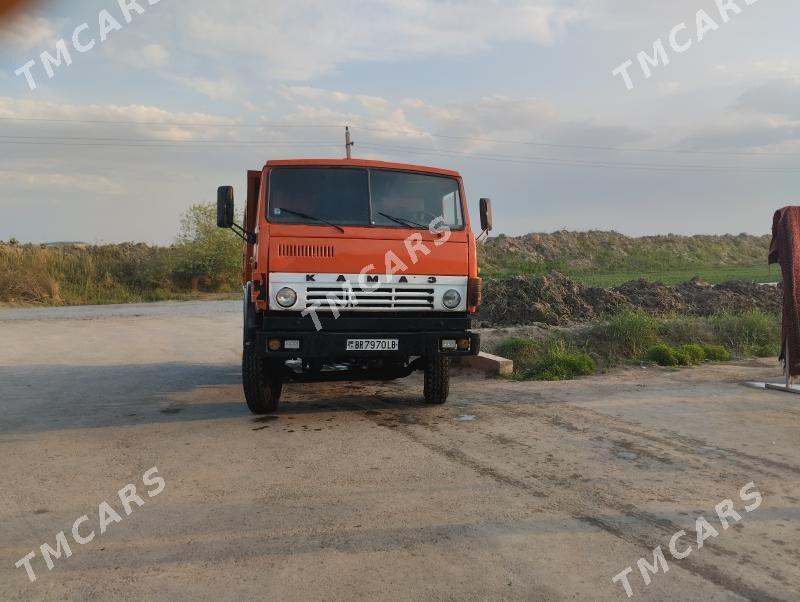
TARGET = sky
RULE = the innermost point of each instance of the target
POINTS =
(518, 95)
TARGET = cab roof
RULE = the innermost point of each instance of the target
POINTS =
(361, 163)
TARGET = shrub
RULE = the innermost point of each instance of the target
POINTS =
(523, 352)
(686, 329)
(694, 354)
(681, 357)
(561, 363)
(626, 335)
(753, 333)
(685, 355)
(716, 353)
(207, 255)
(663, 355)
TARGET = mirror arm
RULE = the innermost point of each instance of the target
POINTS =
(480, 236)
(248, 237)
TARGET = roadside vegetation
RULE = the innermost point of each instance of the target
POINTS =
(606, 259)
(203, 260)
(206, 261)
(634, 338)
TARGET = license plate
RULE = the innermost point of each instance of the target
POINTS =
(373, 344)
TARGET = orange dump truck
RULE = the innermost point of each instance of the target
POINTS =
(354, 270)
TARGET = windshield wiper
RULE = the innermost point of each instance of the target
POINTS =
(313, 217)
(402, 221)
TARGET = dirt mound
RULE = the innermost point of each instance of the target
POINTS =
(730, 296)
(557, 300)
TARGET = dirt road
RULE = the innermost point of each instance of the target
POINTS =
(522, 491)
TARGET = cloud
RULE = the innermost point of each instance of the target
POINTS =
(489, 119)
(59, 182)
(29, 32)
(149, 56)
(379, 116)
(155, 55)
(215, 89)
(476, 126)
(319, 94)
(753, 136)
(146, 121)
(301, 41)
(777, 97)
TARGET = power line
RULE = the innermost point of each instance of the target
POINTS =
(590, 147)
(581, 163)
(170, 123)
(58, 139)
(402, 132)
(177, 144)
(210, 143)
(121, 142)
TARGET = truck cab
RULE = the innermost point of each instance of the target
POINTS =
(354, 270)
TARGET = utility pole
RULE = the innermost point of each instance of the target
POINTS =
(348, 142)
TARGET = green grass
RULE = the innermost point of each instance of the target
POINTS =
(552, 359)
(607, 259)
(752, 333)
(687, 355)
(716, 353)
(625, 335)
(559, 361)
(634, 337)
(663, 355)
(711, 274)
(524, 352)
(679, 330)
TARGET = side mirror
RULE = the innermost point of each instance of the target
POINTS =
(486, 215)
(225, 207)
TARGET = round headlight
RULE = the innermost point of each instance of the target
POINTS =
(286, 297)
(451, 299)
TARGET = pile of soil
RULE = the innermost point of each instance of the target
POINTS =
(557, 300)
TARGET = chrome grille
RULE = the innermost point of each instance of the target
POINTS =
(384, 297)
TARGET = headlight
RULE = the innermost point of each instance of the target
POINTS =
(451, 299)
(286, 297)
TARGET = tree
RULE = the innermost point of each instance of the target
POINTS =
(207, 256)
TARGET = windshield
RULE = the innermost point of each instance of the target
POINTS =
(363, 197)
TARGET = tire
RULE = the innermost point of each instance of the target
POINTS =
(262, 381)
(437, 380)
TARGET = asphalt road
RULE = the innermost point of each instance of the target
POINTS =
(521, 491)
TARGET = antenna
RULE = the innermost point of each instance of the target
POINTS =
(348, 143)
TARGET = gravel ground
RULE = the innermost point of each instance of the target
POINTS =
(521, 491)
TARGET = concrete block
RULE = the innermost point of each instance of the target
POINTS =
(491, 364)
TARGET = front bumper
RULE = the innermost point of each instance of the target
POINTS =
(416, 337)
(333, 346)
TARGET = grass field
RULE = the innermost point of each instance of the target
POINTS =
(609, 258)
(711, 274)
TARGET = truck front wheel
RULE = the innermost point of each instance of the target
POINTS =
(262, 381)
(437, 379)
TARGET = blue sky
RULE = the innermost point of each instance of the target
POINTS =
(710, 143)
